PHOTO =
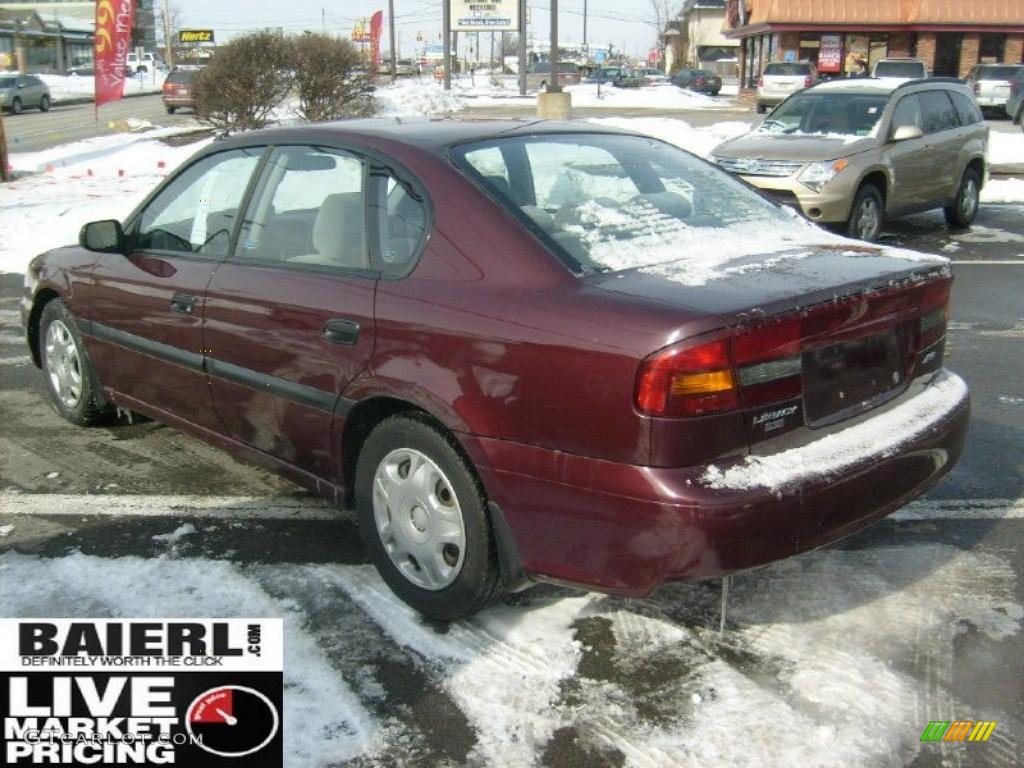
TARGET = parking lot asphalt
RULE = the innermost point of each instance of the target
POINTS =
(837, 657)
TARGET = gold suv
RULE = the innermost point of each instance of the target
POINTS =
(855, 152)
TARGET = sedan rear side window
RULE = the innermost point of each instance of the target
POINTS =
(607, 202)
(196, 212)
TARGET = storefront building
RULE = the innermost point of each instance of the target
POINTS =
(846, 37)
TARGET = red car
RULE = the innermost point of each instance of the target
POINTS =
(523, 351)
(178, 89)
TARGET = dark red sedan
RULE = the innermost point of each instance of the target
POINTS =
(524, 351)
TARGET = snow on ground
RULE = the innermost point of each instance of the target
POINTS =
(699, 141)
(1003, 191)
(64, 87)
(419, 96)
(880, 436)
(836, 658)
(1006, 148)
(45, 211)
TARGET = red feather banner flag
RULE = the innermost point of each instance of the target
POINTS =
(376, 22)
(113, 37)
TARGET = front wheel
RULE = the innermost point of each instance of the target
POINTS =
(70, 380)
(867, 214)
(16, 106)
(44, 104)
(423, 517)
(965, 207)
(762, 108)
(170, 110)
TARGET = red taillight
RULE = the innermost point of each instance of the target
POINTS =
(808, 82)
(977, 88)
(1015, 86)
(168, 87)
(686, 380)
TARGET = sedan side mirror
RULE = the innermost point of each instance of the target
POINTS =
(907, 132)
(102, 237)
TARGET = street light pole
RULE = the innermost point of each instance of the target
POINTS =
(522, 47)
(553, 86)
(391, 31)
(446, 23)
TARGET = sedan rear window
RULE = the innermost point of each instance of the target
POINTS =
(607, 202)
(182, 76)
(911, 69)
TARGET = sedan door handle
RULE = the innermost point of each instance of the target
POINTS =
(183, 303)
(341, 331)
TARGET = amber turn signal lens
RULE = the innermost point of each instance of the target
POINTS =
(685, 384)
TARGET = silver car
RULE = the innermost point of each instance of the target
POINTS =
(21, 92)
(781, 80)
(992, 83)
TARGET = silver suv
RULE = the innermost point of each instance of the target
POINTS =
(992, 84)
(853, 152)
(782, 79)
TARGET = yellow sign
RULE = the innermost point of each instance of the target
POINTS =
(195, 36)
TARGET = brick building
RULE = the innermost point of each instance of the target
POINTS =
(844, 36)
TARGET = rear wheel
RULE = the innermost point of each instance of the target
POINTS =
(965, 207)
(44, 103)
(16, 106)
(867, 214)
(543, 85)
(170, 110)
(423, 516)
(762, 108)
(70, 380)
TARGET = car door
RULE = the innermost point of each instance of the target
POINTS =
(289, 317)
(146, 307)
(945, 138)
(911, 160)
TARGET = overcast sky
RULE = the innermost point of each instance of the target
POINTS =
(623, 24)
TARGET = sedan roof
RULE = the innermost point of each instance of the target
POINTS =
(432, 135)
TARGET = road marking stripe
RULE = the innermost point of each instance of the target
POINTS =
(310, 508)
(130, 505)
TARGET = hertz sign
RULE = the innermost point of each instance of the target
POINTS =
(195, 36)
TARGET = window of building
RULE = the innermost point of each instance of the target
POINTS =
(992, 48)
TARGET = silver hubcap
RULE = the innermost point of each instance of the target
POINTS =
(63, 364)
(970, 199)
(418, 519)
(868, 219)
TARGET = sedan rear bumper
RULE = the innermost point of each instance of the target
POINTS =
(627, 529)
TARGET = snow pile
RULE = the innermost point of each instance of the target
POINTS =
(880, 436)
(1004, 190)
(699, 141)
(416, 97)
(83, 86)
(1006, 148)
(187, 529)
(47, 211)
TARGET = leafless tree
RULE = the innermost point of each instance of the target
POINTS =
(170, 18)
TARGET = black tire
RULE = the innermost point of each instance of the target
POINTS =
(478, 582)
(965, 207)
(90, 408)
(44, 103)
(868, 203)
(16, 106)
(543, 85)
(762, 108)
(170, 110)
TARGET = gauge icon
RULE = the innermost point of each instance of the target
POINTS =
(232, 721)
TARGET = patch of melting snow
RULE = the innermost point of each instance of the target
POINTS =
(983, 235)
(5, 530)
(176, 535)
(880, 436)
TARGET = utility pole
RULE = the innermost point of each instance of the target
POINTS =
(446, 22)
(168, 57)
(585, 26)
(553, 86)
(3, 150)
(391, 32)
(323, 20)
(522, 47)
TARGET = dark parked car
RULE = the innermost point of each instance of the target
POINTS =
(1015, 103)
(699, 80)
(178, 89)
(523, 351)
